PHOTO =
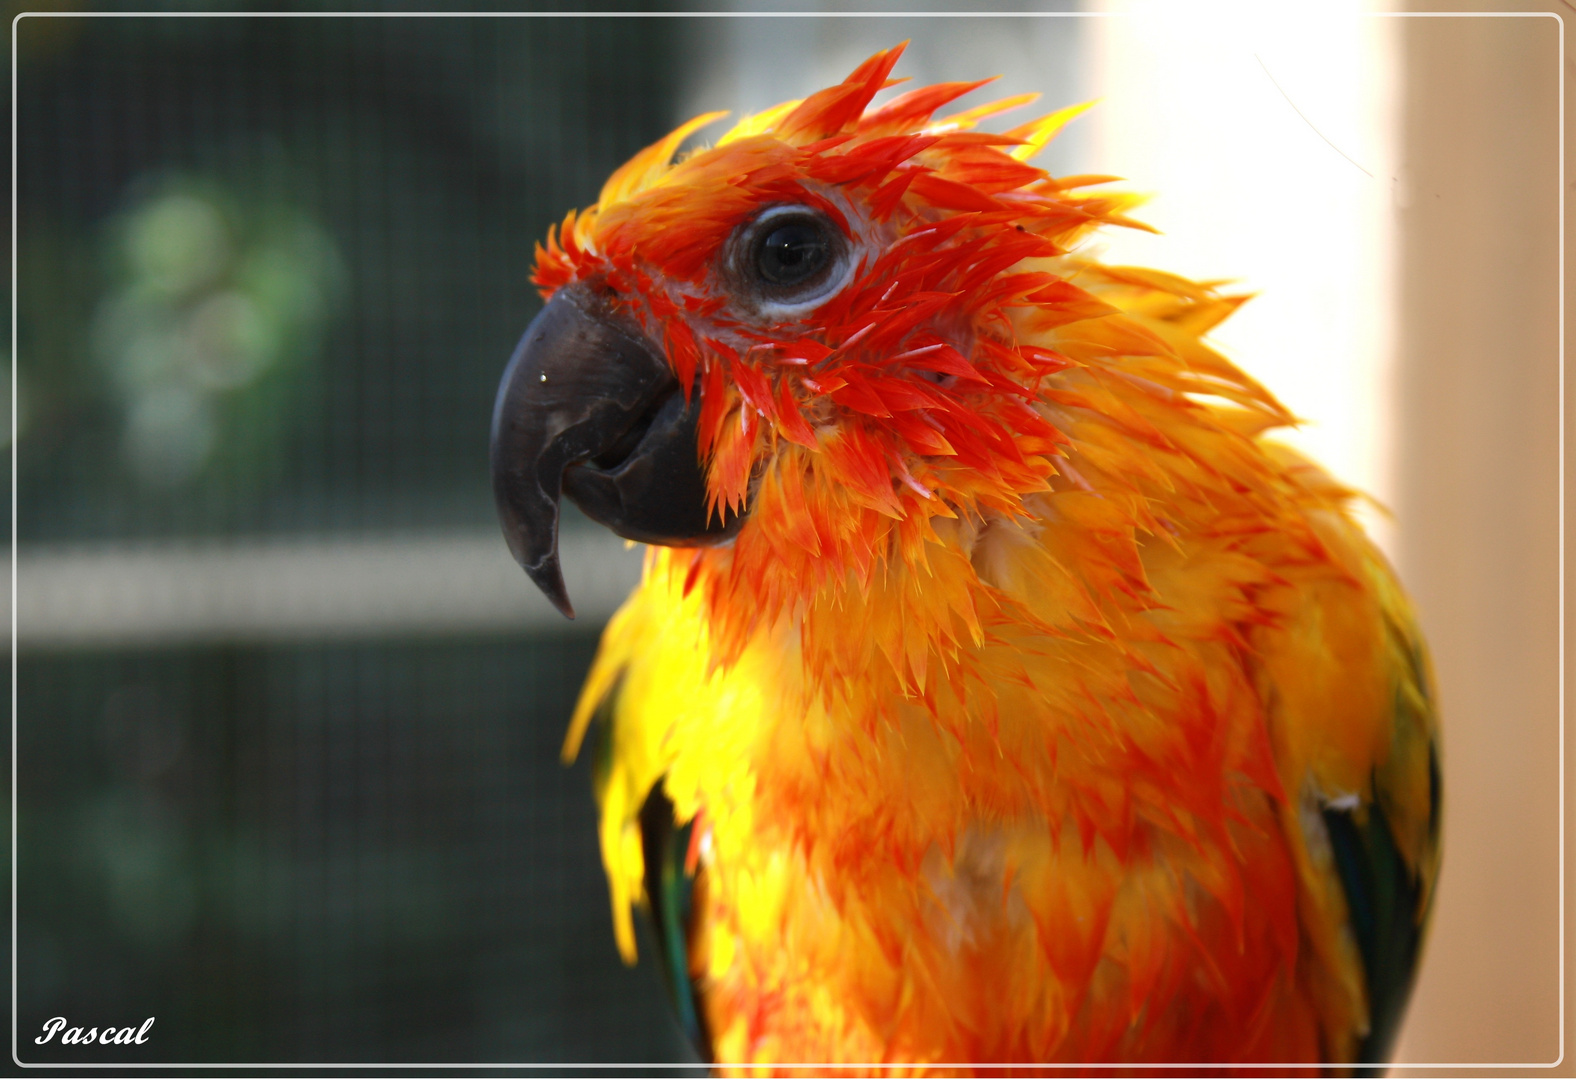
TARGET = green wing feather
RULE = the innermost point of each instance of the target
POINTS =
(1386, 848)
(670, 887)
(669, 880)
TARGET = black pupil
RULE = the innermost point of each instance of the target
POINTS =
(793, 253)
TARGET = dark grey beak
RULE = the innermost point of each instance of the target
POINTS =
(589, 408)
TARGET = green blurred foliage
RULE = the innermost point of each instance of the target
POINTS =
(216, 302)
(374, 188)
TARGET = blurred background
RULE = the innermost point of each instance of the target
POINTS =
(288, 716)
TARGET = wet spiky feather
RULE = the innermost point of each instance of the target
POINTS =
(1010, 725)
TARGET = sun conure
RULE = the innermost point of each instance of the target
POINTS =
(996, 690)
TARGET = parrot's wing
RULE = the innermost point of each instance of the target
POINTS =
(1355, 684)
(1386, 846)
(667, 873)
(671, 877)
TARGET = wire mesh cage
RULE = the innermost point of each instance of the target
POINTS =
(269, 271)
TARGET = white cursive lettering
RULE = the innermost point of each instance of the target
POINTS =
(106, 1037)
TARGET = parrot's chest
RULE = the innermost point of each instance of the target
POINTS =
(972, 898)
(1040, 861)
(890, 889)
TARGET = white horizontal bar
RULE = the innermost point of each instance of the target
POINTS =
(289, 590)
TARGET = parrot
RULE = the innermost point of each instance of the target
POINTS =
(997, 689)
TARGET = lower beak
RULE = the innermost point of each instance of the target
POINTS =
(588, 407)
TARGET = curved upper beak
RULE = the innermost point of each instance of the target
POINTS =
(588, 407)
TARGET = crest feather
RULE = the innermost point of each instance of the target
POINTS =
(648, 166)
(1037, 133)
(910, 110)
(828, 112)
(962, 121)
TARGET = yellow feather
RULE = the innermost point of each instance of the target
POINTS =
(1037, 133)
(651, 164)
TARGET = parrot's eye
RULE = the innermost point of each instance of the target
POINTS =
(792, 253)
(788, 259)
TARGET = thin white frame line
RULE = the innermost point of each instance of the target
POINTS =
(15, 902)
(1560, 360)
(1561, 346)
(1052, 1068)
(713, 14)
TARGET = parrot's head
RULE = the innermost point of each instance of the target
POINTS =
(799, 350)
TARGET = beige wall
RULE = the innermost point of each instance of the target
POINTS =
(1477, 500)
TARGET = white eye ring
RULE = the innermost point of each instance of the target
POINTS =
(817, 238)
